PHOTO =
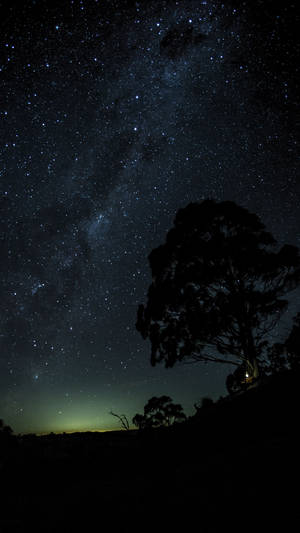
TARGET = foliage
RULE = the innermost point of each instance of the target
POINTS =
(159, 411)
(140, 421)
(285, 355)
(277, 358)
(123, 419)
(205, 403)
(4, 429)
(218, 287)
(7, 439)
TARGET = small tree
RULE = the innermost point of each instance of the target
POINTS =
(139, 421)
(217, 288)
(286, 355)
(123, 419)
(7, 439)
(277, 358)
(205, 403)
(159, 411)
(4, 429)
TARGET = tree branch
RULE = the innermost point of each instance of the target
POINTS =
(123, 419)
(209, 358)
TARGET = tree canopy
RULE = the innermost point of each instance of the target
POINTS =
(5, 430)
(218, 288)
(159, 411)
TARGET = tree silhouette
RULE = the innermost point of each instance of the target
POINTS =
(6, 438)
(4, 429)
(205, 403)
(286, 355)
(123, 419)
(139, 421)
(277, 358)
(217, 288)
(159, 411)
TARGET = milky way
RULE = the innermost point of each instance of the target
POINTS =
(113, 116)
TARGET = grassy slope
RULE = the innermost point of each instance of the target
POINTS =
(235, 461)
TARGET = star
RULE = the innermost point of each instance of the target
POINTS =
(111, 122)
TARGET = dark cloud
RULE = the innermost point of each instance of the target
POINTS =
(177, 40)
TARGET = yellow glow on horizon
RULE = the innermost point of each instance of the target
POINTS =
(70, 431)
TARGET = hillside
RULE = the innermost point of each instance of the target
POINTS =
(235, 460)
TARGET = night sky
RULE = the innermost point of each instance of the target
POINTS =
(114, 114)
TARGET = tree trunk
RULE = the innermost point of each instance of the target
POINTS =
(250, 352)
(253, 368)
(252, 373)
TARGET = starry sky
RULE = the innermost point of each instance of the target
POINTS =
(114, 114)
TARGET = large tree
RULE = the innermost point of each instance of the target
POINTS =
(218, 287)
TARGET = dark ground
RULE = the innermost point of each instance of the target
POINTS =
(235, 466)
